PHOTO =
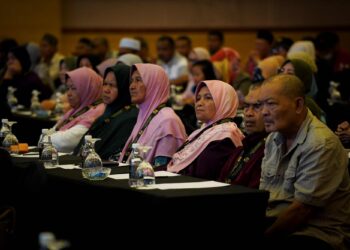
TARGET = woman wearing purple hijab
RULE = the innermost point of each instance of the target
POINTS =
(157, 125)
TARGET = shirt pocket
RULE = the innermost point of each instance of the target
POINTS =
(289, 179)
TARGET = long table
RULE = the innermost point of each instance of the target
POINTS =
(105, 214)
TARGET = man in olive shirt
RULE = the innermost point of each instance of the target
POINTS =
(305, 171)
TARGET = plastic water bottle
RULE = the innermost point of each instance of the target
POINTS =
(145, 172)
(49, 156)
(43, 140)
(35, 104)
(135, 160)
(145, 175)
(86, 148)
(4, 130)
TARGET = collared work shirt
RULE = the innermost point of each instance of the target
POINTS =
(314, 172)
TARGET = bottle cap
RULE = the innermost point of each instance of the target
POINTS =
(4, 120)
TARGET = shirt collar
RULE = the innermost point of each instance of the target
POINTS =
(301, 135)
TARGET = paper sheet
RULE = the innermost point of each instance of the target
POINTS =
(119, 176)
(25, 155)
(157, 174)
(165, 174)
(61, 154)
(189, 185)
(34, 155)
(69, 166)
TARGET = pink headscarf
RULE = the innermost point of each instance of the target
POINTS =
(165, 123)
(89, 88)
(226, 103)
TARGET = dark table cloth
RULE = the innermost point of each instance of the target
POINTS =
(108, 214)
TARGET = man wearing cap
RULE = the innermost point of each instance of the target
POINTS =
(129, 45)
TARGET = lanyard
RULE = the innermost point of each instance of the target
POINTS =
(119, 112)
(243, 158)
(153, 114)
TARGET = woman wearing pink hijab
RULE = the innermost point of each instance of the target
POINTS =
(206, 149)
(84, 88)
(157, 126)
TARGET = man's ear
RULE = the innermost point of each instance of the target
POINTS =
(299, 104)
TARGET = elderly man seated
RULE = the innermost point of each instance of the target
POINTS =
(305, 171)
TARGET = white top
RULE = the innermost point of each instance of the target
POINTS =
(49, 72)
(176, 67)
(66, 141)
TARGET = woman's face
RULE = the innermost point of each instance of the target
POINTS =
(198, 75)
(205, 106)
(13, 64)
(110, 88)
(288, 69)
(72, 94)
(137, 88)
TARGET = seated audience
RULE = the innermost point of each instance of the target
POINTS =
(102, 49)
(19, 76)
(157, 125)
(47, 68)
(281, 46)
(127, 59)
(5, 46)
(305, 51)
(84, 46)
(91, 61)
(215, 41)
(267, 68)
(201, 70)
(305, 171)
(174, 64)
(115, 125)
(243, 166)
(302, 70)
(184, 46)
(129, 45)
(206, 150)
(225, 62)
(84, 88)
(197, 54)
(66, 64)
(263, 49)
(144, 50)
